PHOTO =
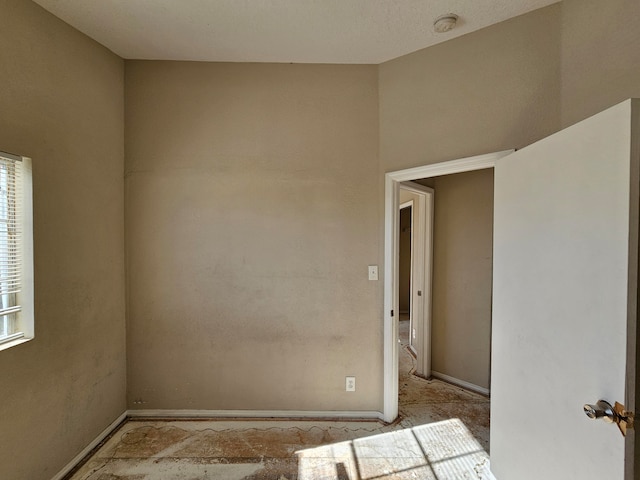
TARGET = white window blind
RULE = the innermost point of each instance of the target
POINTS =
(10, 245)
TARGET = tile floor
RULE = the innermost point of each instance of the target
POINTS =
(443, 433)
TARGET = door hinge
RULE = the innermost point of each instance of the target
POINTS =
(624, 419)
(392, 313)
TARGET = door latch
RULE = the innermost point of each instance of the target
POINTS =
(610, 414)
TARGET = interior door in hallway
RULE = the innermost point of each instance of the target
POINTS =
(564, 300)
(421, 272)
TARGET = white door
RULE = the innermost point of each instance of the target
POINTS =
(565, 289)
(421, 273)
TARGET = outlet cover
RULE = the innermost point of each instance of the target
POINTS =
(350, 384)
(373, 272)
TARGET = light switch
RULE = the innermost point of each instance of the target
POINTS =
(373, 272)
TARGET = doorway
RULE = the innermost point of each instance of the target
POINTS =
(565, 291)
(393, 185)
(405, 266)
(414, 270)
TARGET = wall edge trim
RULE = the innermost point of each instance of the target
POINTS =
(87, 450)
(240, 414)
(257, 414)
(461, 383)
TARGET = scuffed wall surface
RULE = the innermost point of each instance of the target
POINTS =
(252, 210)
(254, 201)
(61, 98)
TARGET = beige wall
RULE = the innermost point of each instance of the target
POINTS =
(462, 268)
(252, 214)
(505, 87)
(600, 56)
(61, 98)
(231, 275)
(490, 90)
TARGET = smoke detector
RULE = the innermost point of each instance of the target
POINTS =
(444, 23)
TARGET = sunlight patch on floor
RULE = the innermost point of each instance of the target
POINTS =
(439, 451)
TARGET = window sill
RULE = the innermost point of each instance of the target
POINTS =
(13, 343)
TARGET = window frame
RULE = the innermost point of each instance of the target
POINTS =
(24, 321)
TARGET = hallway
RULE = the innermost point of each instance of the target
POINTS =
(426, 401)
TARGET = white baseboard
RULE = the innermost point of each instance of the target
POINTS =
(243, 414)
(78, 458)
(461, 383)
(248, 414)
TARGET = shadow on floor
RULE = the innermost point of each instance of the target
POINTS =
(443, 450)
(442, 433)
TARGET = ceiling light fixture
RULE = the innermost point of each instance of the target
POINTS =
(444, 23)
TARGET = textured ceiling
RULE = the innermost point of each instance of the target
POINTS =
(299, 31)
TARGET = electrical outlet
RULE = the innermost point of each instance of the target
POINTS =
(350, 384)
(414, 333)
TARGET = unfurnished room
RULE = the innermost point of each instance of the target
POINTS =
(338, 239)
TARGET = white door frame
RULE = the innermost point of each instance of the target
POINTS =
(421, 269)
(391, 219)
(402, 206)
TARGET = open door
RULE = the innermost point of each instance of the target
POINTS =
(565, 301)
(421, 273)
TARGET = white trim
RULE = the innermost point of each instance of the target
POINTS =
(461, 383)
(24, 326)
(421, 273)
(392, 179)
(255, 414)
(243, 414)
(13, 336)
(87, 450)
(390, 344)
(16, 339)
(467, 164)
(26, 296)
(411, 310)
